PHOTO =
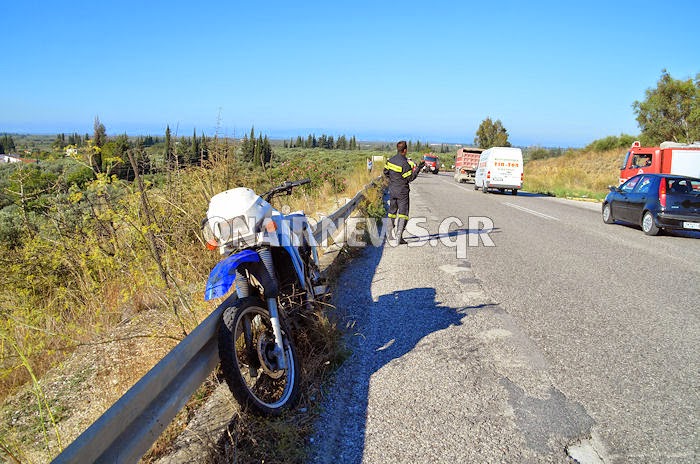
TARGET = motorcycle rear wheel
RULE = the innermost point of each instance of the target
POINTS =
(246, 344)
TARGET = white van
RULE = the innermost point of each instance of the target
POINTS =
(500, 168)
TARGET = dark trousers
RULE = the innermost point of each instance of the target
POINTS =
(398, 205)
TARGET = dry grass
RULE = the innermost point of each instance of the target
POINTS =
(112, 274)
(576, 174)
(114, 342)
(326, 198)
(318, 337)
(282, 439)
(86, 385)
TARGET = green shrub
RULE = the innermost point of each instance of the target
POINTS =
(611, 142)
(10, 227)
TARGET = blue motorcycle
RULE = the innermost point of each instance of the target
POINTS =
(271, 258)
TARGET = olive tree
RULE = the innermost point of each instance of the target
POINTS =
(670, 112)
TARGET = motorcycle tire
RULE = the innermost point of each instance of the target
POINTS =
(246, 341)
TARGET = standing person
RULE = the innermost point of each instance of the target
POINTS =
(400, 173)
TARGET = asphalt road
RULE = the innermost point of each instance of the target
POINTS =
(552, 336)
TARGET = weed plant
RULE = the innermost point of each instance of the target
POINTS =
(82, 259)
(576, 174)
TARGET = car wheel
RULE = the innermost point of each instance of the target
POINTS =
(514, 192)
(475, 186)
(648, 225)
(607, 214)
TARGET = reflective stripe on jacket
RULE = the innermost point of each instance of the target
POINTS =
(399, 172)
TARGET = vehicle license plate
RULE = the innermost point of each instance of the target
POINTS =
(691, 225)
(498, 179)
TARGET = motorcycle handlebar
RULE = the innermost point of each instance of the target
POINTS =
(286, 186)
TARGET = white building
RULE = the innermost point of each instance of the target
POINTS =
(9, 159)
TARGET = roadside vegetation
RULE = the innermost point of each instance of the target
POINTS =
(100, 234)
(669, 112)
(583, 174)
(105, 232)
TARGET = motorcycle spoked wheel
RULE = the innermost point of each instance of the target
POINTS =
(247, 365)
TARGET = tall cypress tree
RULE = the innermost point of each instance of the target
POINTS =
(194, 149)
(342, 143)
(258, 151)
(167, 154)
(7, 144)
(248, 147)
(203, 150)
(100, 133)
(252, 148)
(99, 138)
(267, 150)
(244, 148)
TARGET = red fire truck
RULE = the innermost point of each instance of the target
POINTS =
(466, 162)
(432, 163)
(667, 158)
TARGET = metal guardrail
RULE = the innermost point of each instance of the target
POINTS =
(128, 429)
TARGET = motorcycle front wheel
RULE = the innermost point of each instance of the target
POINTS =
(248, 361)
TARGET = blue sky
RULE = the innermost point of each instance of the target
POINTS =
(555, 73)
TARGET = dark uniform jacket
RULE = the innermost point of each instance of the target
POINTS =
(399, 173)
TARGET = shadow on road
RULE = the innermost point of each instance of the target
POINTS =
(522, 193)
(381, 332)
(452, 235)
(665, 232)
(399, 320)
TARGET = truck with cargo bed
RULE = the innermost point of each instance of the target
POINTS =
(466, 163)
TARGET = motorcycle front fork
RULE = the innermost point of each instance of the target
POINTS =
(243, 290)
(277, 331)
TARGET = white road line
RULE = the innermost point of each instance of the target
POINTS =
(521, 208)
(457, 185)
(536, 213)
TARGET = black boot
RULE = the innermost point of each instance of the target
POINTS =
(390, 232)
(401, 224)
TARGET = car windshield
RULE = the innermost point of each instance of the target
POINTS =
(624, 162)
(630, 184)
(432, 159)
